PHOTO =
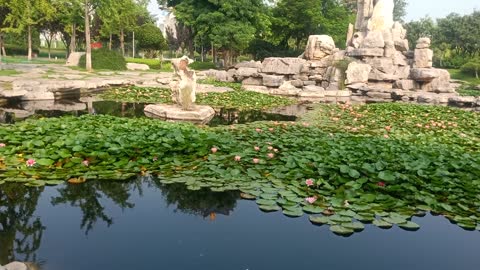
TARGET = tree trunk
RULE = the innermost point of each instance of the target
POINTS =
(29, 43)
(73, 39)
(110, 42)
(476, 73)
(122, 42)
(227, 58)
(88, 54)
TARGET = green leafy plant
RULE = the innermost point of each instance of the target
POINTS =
(105, 59)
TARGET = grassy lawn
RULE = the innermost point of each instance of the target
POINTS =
(468, 88)
(24, 60)
(9, 72)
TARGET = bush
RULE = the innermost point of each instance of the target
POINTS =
(105, 59)
(152, 63)
(472, 68)
(261, 49)
(202, 65)
(16, 50)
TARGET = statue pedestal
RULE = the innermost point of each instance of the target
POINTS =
(199, 114)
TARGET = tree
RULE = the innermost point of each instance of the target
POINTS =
(294, 20)
(150, 39)
(400, 10)
(472, 67)
(27, 14)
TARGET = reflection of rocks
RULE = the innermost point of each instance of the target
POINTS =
(52, 105)
(198, 113)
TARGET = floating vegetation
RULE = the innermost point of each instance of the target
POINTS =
(342, 178)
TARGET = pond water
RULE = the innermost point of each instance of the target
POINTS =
(144, 224)
(15, 110)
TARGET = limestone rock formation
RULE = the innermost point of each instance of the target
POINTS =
(318, 47)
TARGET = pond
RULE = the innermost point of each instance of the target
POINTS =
(16, 110)
(143, 224)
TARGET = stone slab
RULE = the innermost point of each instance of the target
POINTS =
(199, 114)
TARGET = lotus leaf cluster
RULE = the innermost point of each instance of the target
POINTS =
(341, 173)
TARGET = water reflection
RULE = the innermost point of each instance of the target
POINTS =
(20, 231)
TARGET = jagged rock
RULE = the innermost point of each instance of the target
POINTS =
(316, 78)
(423, 43)
(134, 66)
(313, 88)
(399, 59)
(305, 83)
(350, 34)
(362, 52)
(389, 49)
(399, 37)
(402, 72)
(357, 40)
(374, 39)
(247, 72)
(382, 95)
(460, 101)
(377, 75)
(257, 88)
(249, 64)
(252, 81)
(382, 16)
(318, 47)
(441, 84)
(297, 83)
(324, 63)
(284, 66)
(287, 89)
(219, 75)
(423, 58)
(273, 80)
(357, 73)
(424, 74)
(382, 64)
(405, 84)
(74, 59)
(356, 86)
(380, 87)
(301, 77)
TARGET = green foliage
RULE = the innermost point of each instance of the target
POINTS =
(261, 49)
(164, 66)
(472, 67)
(357, 175)
(238, 99)
(197, 65)
(16, 50)
(297, 19)
(150, 38)
(456, 74)
(105, 59)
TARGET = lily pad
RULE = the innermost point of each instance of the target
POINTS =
(293, 213)
(410, 226)
(319, 220)
(269, 208)
(311, 209)
(356, 226)
(341, 230)
(382, 224)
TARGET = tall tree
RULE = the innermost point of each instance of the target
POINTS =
(400, 10)
(24, 15)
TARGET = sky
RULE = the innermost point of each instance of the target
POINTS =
(416, 8)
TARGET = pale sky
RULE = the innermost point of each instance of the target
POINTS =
(416, 8)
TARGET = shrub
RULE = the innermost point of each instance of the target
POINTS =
(105, 59)
(16, 50)
(202, 65)
(472, 67)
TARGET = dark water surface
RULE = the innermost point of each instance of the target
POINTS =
(143, 224)
(16, 110)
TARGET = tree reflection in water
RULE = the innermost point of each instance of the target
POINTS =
(87, 197)
(20, 231)
(203, 202)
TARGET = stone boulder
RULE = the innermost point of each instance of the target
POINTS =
(423, 58)
(219, 75)
(424, 74)
(273, 80)
(423, 43)
(135, 66)
(247, 72)
(74, 59)
(382, 16)
(357, 73)
(363, 52)
(249, 64)
(198, 114)
(374, 39)
(283, 66)
(318, 47)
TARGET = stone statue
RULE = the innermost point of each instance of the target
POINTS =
(374, 15)
(184, 83)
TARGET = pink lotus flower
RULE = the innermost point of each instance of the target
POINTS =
(309, 182)
(214, 150)
(388, 128)
(31, 162)
(256, 148)
(270, 155)
(270, 148)
(386, 136)
(311, 200)
(86, 162)
(256, 160)
(381, 184)
(271, 129)
(258, 130)
(2, 145)
(238, 158)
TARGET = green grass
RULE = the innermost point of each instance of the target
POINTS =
(458, 75)
(24, 60)
(9, 72)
